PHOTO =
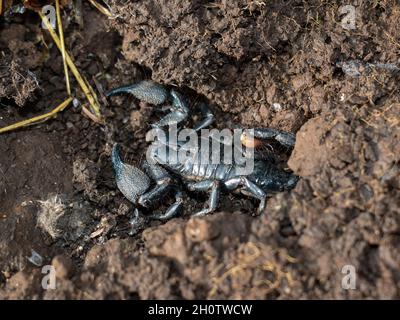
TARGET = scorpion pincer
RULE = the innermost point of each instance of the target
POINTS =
(158, 177)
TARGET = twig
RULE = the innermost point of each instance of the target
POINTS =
(86, 88)
(101, 8)
(91, 116)
(37, 119)
(61, 33)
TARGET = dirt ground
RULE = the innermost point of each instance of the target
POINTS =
(289, 65)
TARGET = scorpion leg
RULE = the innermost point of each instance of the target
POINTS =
(250, 187)
(285, 138)
(147, 91)
(164, 185)
(179, 111)
(161, 189)
(206, 185)
(173, 117)
(172, 211)
(208, 117)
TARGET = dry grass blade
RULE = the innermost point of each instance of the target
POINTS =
(86, 88)
(392, 39)
(5, 5)
(91, 116)
(101, 8)
(61, 33)
(37, 119)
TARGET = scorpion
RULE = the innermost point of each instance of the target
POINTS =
(157, 176)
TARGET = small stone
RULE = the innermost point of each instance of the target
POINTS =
(277, 107)
(198, 230)
(63, 266)
(136, 119)
(263, 111)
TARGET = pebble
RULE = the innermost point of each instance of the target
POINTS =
(63, 266)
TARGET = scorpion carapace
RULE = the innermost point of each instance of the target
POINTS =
(158, 176)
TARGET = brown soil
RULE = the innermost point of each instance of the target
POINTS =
(57, 190)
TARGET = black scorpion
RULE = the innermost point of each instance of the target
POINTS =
(158, 176)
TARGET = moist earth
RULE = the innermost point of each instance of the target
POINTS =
(289, 65)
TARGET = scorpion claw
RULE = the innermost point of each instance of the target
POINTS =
(147, 91)
(131, 181)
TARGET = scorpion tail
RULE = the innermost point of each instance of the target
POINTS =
(147, 91)
(131, 181)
